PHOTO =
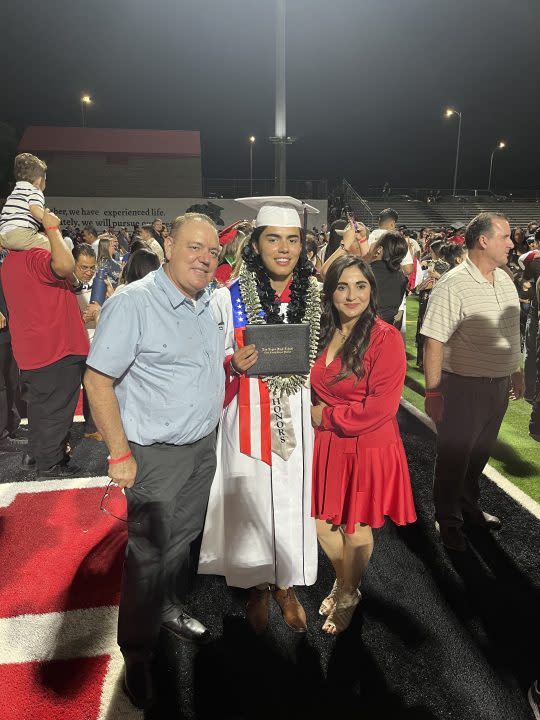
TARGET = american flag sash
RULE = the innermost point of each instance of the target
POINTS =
(253, 396)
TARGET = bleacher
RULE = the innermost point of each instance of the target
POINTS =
(413, 213)
(518, 212)
(416, 213)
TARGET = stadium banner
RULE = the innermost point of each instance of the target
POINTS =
(108, 212)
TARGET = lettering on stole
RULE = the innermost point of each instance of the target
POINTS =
(278, 415)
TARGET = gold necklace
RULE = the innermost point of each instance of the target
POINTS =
(343, 336)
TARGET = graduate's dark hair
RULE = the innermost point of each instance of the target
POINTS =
(299, 286)
(354, 348)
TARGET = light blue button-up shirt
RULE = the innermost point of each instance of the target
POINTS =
(167, 353)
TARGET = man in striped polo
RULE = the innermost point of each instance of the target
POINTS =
(471, 356)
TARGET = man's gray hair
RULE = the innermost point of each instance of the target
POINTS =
(181, 220)
(482, 224)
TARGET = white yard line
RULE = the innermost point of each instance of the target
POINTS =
(58, 635)
(8, 491)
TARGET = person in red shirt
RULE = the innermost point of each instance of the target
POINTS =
(360, 471)
(50, 345)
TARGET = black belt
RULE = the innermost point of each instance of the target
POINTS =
(472, 379)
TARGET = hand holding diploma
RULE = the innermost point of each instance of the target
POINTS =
(244, 358)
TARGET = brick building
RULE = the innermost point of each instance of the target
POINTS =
(99, 162)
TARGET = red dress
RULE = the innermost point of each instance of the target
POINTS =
(360, 471)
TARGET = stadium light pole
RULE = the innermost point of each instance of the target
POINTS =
(85, 100)
(281, 139)
(251, 144)
(500, 146)
(449, 112)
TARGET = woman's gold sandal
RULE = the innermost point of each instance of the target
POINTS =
(329, 601)
(340, 617)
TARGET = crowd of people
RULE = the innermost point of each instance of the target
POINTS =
(263, 465)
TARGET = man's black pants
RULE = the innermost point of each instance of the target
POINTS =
(52, 393)
(168, 501)
(89, 424)
(474, 409)
(529, 363)
(9, 381)
(534, 425)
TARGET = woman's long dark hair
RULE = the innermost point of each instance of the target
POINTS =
(394, 248)
(354, 349)
(299, 286)
(140, 263)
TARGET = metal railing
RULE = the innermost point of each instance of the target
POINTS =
(345, 195)
(241, 187)
(435, 194)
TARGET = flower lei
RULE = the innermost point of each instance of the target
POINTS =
(283, 384)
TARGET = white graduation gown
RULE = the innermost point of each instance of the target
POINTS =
(258, 524)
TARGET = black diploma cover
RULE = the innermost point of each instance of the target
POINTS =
(283, 349)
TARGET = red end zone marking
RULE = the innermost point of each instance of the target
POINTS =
(59, 552)
(57, 689)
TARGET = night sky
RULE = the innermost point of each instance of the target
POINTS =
(367, 81)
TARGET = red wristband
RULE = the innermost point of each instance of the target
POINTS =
(363, 241)
(433, 393)
(113, 461)
(54, 227)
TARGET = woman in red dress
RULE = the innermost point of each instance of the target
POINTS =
(360, 471)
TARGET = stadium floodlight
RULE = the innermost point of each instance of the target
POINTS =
(500, 146)
(449, 112)
(85, 100)
(251, 144)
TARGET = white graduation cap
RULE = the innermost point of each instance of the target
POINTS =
(278, 210)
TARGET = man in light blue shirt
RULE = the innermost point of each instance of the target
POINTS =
(155, 382)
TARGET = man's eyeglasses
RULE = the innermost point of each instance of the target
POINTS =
(110, 503)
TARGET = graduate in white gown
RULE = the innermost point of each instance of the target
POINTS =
(259, 532)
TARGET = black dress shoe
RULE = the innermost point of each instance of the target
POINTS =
(138, 684)
(452, 537)
(9, 444)
(483, 520)
(28, 461)
(60, 470)
(186, 627)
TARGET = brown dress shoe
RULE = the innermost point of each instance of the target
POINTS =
(291, 609)
(257, 609)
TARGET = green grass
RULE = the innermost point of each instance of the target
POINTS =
(516, 455)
